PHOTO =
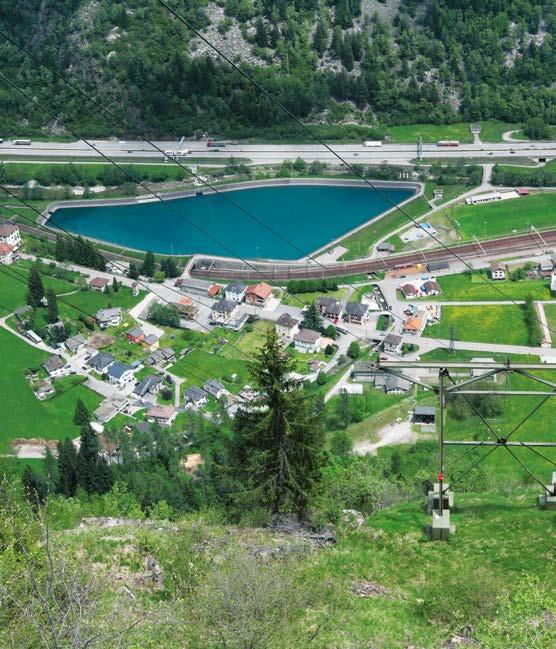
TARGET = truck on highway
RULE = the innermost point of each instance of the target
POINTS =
(373, 143)
(22, 142)
(212, 143)
(176, 153)
(447, 143)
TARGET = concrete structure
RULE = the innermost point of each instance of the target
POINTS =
(109, 317)
(193, 286)
(286, 326)
(307, 341)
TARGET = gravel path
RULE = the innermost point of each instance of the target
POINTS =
(389, 435)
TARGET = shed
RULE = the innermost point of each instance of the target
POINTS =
(424, 415)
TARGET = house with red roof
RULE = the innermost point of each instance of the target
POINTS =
(258, 294)
(99, 284)
(6, 254)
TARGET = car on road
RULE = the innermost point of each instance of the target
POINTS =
(342, 330)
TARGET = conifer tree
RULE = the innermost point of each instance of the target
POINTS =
(148, 264)
(312, 319)
(115, 285)
(279, 448)
(51, 471)
(133, 272)
(82, 415)
(61, 250)
(35, 289)
(93, 473)
(67, 468)
(320, 39)
(51, 306)
(34, 486)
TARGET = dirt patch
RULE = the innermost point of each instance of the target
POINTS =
(99, 341)
(368, 589)
(396, 433)
(33, 448)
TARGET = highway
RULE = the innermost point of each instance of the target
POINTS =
(276, 153)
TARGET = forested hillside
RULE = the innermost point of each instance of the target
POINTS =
(375, 62)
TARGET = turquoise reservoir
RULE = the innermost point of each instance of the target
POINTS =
(309, 217)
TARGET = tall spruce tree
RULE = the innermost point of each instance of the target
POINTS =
(93, 473)
(278, 448)
(148, 264)
(67, 468)
(35, 289)
(51, 471)
(34, 486)
(312, 319)
(81, 415)
(51, 306)
(133, 272)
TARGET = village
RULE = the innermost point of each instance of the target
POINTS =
(148, 349)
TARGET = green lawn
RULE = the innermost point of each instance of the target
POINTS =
(431, 132)
(359, 243)
(23, 414)
(465, 287)
(248, 341)
(300, 299)
(198, 366)
(91, 301)
(504, 217)
(13, 287)
(360, 291)
(498, 324)
(550, 312)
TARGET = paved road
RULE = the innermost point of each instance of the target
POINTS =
(276, 153)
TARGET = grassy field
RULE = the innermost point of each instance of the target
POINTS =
(525, 171)
(358, 244)
(504, 217)
(550, 312)
(498, 324)
(199, 366)
(92, 301)
(13, 287)
(300, 299)
(23, 414)
(431, 132)
(465, 287)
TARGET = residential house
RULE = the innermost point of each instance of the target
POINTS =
(43, 389)
(195, 397)
(330, 308)
(75, 343)
(6, 254)
(546, 266)
(109, 317)
(214, 388)
(99, 284)
(286, 326)
(161, 357)
(151, 342)
(307, 340)
(149, 385)
(10, 235)
(101, 362)
(235, 292)
(258, 294)
(55, 367)
(135, 335)
(364, 371)
(214, 290)
(393, 344)
(120, 374)
(248, 393)
(391, 384)
(497, 270)
(187, 311)
(424, 415)
(415, 323)
(431, 287)
(162, 415)
(135, 289)
(356, 313)
(225, 311)
(408, 290)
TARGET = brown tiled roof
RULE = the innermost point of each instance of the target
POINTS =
(161, 412)
(261, 290)
(99, 282)
(5, 248)
(7, 228)
(307, 336)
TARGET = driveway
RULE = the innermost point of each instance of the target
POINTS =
(389, 435)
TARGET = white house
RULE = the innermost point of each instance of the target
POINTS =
(225, 311)
(55, 367)
(214, 388)
(497, 270)
(307, 340)
(195, 397)
(393, 343)
(162, 415)
(109, 317)
(120, 374)
(235, 292)
(10, 235)
(75, 343)
(286, 326)
(6, 254)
